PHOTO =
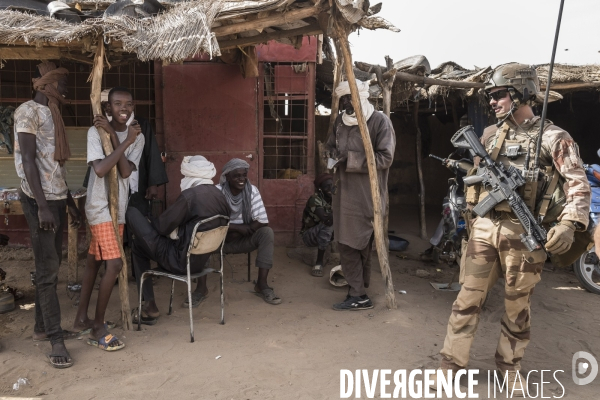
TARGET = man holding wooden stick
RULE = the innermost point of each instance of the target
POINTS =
(128, 145)
(352, 204)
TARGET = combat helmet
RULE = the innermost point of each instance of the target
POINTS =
(521, 78)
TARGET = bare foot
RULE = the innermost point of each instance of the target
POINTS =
(60, 357)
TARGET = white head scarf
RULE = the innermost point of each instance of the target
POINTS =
(363, 92)
(196, 170)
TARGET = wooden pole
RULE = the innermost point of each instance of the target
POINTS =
(72, 249)
(403, 76)
(382, 252)
(96, 78)
(419, 150)
(424, 81)
(337, 78)
(386, 86)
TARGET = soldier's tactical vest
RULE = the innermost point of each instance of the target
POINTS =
(543, 197)
(546, 197)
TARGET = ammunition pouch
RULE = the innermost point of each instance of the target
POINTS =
(472, 192)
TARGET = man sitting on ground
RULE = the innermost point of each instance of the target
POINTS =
(248, 229)
(317, 220)
(167, 238)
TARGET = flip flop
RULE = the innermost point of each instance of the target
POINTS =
(68, 364)
(107, 325)
(67, 335)
(105, 343)
(317, 271)
(146, 319)
(268, 295)
(197, 298)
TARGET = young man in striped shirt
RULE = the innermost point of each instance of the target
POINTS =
(248, 228)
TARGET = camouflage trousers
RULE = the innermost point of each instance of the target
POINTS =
(494, 249)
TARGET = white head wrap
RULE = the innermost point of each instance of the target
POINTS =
(196, 170)
(363, 92)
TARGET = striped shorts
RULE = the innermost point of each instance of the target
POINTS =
(104, 245)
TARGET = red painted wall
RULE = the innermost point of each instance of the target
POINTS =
(210, 109)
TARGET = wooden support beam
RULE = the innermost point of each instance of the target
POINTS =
(419, 157)
(572, 86)
(403, 76)
(29, 53)
(382, 253)
(272, 20)
(337, 78)
(386, 86)
(424, 81)
(113, 199)
(308, 30)
(72, 253)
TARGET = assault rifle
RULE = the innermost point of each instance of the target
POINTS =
(502, 184)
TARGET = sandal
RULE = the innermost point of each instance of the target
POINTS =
(57, 365)
(197, 298)
(269, 296)
(317, 271)
(146, 319)
(105, 343)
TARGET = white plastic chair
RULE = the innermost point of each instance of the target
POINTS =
(205, 242)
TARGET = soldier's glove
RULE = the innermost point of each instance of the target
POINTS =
(560, 237)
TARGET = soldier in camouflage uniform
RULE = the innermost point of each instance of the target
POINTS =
(317, 220)
(494, 248)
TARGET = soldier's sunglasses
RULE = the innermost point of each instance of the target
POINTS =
(500, 94)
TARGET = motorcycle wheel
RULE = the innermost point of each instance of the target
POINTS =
(587, 271)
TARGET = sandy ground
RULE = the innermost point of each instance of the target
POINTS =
(294, 350)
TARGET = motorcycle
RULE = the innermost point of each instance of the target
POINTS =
(587, 267)
(447, 239)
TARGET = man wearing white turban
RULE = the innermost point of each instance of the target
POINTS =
(153, 239)
(352, 204)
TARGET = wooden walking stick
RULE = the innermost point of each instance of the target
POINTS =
(113, 199)
(382, 253)
(386, 84)
(419, 155)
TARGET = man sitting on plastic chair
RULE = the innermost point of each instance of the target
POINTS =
(166, 239)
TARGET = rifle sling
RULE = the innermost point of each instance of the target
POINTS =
(500, 141)
(549, 191)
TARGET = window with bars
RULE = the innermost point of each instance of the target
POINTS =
(285, 120)
(16, 87)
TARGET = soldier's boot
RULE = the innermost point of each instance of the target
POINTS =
(515, 383)
(443, 374)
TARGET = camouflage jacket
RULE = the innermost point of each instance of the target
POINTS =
(309, 218)
(558, 150)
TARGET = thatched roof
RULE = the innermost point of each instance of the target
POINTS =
(182, 29)
(565, 78)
